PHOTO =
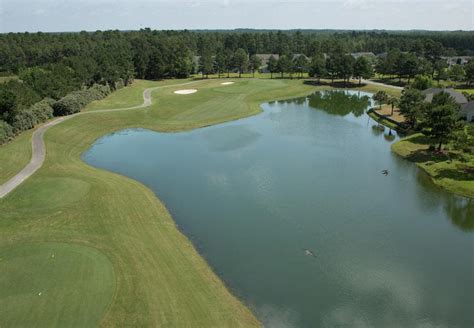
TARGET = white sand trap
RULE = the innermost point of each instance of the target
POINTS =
(185, 91)
(227, 83)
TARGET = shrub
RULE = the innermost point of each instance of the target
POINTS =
(37, 113)
(422, 82)
(76, 100)
(6, 132)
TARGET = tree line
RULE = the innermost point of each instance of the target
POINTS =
(52, 66)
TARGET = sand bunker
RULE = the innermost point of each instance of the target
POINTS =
(185, 91)
(227, 83)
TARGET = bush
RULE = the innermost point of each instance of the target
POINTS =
(6, 132)
(422, 82)
(76, 100)
(119, 84)
(37, 113)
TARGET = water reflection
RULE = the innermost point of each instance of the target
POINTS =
(461, 212)
(340, 102)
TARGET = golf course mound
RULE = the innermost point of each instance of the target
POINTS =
(185, 91)
(227, 83)
(41, 284)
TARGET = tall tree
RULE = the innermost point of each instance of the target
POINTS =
(363, 69)
(317, 68)
(457, 73)
(345, 66)
(300, 63)
(332, 68)
(380, 97)
(410, 66)
(469, 70)
(439, 70)
(255, 63)
(440, 122)
(206, 64)
(393, 101)
(241, 60)
(7, 104)
(411, 105)
(222, 61)
(272, 66)
(284, 64)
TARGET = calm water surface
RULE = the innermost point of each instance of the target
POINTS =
(254, 194)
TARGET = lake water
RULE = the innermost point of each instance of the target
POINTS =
(253, 195)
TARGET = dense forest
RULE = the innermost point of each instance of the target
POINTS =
(59, 73)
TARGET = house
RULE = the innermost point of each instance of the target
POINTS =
(264, 59)
(466, 107)
(458, 96)
(457, 60)
(296, 56)
(467, 111)
(369, 55)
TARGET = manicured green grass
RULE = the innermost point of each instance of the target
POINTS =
(126, 97)
(160, 279)
(14, 155)
(470, 91)
(75, 287)
(446, 170)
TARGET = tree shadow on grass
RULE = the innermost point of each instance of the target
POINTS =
(391, 82)
(427, 156)
(335, 84)
(459, 173)
(420, 140)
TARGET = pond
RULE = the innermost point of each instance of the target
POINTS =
(292, 211)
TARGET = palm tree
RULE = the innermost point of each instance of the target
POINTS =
(393, 101)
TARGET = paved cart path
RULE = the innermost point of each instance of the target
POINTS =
(39, 149)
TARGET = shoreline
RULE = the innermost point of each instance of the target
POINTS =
(405, 148)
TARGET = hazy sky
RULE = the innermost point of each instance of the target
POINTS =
(76, 15)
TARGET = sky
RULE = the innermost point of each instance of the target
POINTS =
(91, 15)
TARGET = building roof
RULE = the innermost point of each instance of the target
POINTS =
(363, 54)
(265, 57)
(468, 107)
(296, 56)
(458, 97)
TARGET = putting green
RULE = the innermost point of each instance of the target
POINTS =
(41, 285)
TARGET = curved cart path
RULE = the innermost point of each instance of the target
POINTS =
(381, 84)
(38, 146)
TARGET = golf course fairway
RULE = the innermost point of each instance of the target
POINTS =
(119, 259)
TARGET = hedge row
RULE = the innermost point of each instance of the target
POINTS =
(76, 100)
(6, 132)
(37, 113)
(26, 119)
(47, 108)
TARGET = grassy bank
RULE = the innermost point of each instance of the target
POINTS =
(446, 170)
(14, 155)
(382, 120)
